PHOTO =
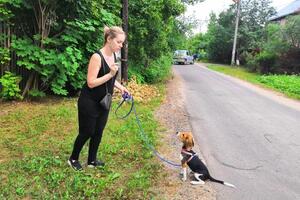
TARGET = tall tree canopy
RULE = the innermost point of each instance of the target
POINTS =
(251, 32)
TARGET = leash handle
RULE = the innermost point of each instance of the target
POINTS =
(125, 98)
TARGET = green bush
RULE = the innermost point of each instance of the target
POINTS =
(266, 61)
(251, 62)
(158, 70)
(136, 72)
(10, 86)
(35, 94)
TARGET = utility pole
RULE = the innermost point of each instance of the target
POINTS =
(238, 2)
(124, 50)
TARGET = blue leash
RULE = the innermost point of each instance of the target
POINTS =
(127, 98)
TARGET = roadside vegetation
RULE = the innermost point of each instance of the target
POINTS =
(37, 137)
(286, 84)
(44, 50)
(268, 49)
(45, 45)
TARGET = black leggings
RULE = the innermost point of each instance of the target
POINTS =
(91, 127)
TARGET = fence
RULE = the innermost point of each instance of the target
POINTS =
(6, 33)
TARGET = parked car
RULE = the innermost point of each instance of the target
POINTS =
(183, 57)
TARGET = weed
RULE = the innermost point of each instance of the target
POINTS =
(36, 139)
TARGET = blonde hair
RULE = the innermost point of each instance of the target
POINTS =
(112, 32)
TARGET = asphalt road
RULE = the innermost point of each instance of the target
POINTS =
(247, 137)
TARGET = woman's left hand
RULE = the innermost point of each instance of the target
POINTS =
(124, 90)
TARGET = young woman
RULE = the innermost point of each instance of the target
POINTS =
(101, 77)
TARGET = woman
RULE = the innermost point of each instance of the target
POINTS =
(101, 77)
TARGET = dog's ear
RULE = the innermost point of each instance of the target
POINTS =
(189, 139)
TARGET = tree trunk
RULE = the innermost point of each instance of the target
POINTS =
(124, 51)
(28, 84)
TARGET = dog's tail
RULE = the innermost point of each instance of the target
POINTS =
(222, 182)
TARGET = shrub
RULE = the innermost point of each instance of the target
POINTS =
(251, 62)
(10, 86)
(35, 94)
(158, 70)
(266, 61)
(135, 71)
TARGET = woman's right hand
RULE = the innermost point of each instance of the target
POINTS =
(113, 69)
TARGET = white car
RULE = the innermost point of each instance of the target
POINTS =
(183, 57)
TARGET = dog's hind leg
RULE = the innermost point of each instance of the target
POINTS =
(198, 180)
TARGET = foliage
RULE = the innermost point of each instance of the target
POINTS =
(287, 84)
(284, 83)
(158, 70)
(53, 40)
(10, 86)
(4, 56)
(36, 94)
(178, 38)
(150, 29)
(254, 15)
(219, 36)
(197, 44)
(6, 7)
(53, 67)
(59, 57)
(292, 31)
(281, 52)
(192, 1)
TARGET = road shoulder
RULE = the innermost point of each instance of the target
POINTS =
(173, 117)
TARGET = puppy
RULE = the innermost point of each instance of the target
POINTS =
(190, 158)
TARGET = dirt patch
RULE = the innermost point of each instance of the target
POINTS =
(173, 116)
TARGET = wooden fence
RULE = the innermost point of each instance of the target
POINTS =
(6, 32)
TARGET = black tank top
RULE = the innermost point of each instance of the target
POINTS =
(97, 93)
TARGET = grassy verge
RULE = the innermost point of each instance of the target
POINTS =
(286, 84)
(36, 141)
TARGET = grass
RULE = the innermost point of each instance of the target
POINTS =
(289, 85)
(37, 139)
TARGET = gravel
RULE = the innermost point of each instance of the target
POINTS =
(173, 117)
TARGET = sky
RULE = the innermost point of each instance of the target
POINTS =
(202, 10)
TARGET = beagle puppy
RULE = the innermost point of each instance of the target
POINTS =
(190, 159)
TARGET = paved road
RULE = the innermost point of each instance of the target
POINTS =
(246, 138)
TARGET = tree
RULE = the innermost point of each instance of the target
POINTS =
(254, 16)
(150, 28)
(219, 36)
(251, 34)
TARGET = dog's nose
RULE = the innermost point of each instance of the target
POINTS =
(177, 132)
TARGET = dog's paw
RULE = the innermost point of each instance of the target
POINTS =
(197, 182)
(183, 179)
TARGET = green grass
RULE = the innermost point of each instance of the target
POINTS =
(286, 84)
(37, 139)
